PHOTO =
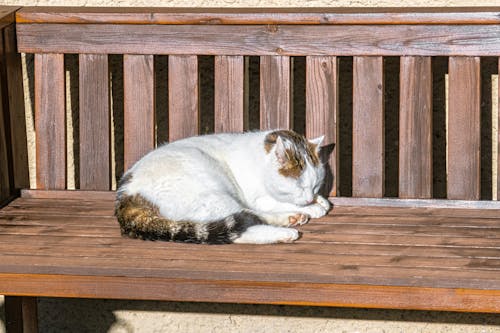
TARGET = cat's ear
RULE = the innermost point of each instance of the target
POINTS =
(316, 142)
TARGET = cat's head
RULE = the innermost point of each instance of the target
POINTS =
(297, 171)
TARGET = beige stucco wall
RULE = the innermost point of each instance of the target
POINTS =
(131, 316)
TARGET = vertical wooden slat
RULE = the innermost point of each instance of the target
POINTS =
(139, 102)
(322, 108)
(464, 130)
(275, 94)
(498, 133)
(21, 314)
(6, 181)
(368, 127)
(50, 121)
(415, 128)
(14, 81)
(94, 122)
(229, 94)
(183, 97)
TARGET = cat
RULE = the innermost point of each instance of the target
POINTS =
(224, 188)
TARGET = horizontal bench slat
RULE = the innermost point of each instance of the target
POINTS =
(290, 40)
(350, 295)
(402, 15)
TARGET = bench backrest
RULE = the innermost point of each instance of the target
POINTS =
(321, 39)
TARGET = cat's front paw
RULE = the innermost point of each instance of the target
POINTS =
(314, 211)
(323, 202)
(298, 219)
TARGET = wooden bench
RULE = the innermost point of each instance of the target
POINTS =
(413, 249)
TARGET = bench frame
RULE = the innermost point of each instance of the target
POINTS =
(368, 35)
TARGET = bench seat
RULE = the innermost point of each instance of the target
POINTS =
(363, 254)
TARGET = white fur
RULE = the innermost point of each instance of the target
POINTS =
(267, 234)
(207, 178)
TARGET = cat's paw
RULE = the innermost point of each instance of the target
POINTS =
(323, 202)
(314, 211)
(298, 219)
(287, 235)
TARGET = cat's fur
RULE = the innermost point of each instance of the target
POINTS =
(224, 188)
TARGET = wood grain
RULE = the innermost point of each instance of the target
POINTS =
(368, 127)
(15, 90)
(353, 252)
(7, 15)
(464, 134)
(94, 123)
(275, 92)
(229, 94)
(415, 128)
(345, 295)
(6, 181)
(205, 16)
(139, 103)
(183, 97)
(50, 122)
(258, 40)
(322, 109)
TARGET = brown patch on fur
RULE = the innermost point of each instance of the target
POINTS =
(270, 141)
(294, 163)
(139, 218)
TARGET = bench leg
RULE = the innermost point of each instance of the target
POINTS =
(21, 314)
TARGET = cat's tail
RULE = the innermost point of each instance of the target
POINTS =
(139, 218)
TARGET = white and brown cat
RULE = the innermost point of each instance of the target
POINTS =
(224, 188)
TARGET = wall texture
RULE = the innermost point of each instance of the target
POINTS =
(61, 315)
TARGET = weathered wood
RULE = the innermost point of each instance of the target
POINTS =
(368, 127)
(322, 109)
(229, 94)
(139, 103)
(7, 15)
(346, 15)
(257, 40)
(50, 121)
(6, 181)
(14, 82)
(367, 252)
(430, 252)
(275, 92)
(464, 133)
(348, 295)
(94, 123)
(415, 128)
(183, 97)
